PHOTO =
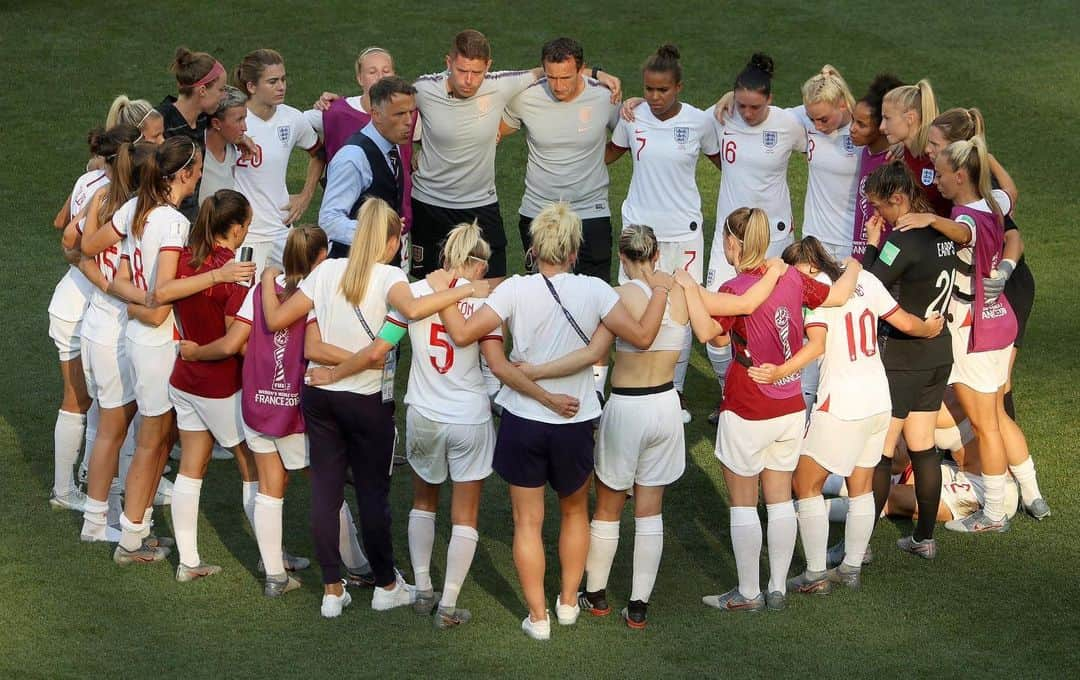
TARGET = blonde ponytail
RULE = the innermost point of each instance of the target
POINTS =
(750, 227)
(972, 156)
(556, 233)
(920, 99)
(828, 86)
(464, 241)
(376, 224)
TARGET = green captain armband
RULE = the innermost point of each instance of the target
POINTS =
(392, 332)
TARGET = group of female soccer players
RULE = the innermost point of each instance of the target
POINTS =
(827, 365)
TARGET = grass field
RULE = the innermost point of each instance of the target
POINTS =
(998, 605)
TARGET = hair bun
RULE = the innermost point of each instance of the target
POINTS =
(882, 83)
(762, 62)
(668, 51)
(182, 58)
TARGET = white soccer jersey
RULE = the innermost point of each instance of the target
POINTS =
(457, 157)
(217, 175)
(262, 179)
(541, 333)
(106, 315)
(962, 281)
(166, 229)
(338, 320)
(73, 292)
(663, 189)
(754, 167)
(832, 182)
(852, 383)
(445, 382)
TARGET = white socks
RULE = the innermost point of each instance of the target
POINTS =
(267, 523)
(994, 505)
(600, 377)
(746, 542)
(185, 516)
(648, 546)
(421, 543)
(720, 358)
(857, 530)
(602, 546)
(352, 555)
(94, 521)
(459, 557)
(249, 491)
(1029, 484)
(68, 436)
(782, 530)
(814, 529)
(131, 535)
(683, 362)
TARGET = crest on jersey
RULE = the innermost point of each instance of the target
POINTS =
(927, 176)
(849, 146)
(682, 135)
(769, 139)
(283, 134)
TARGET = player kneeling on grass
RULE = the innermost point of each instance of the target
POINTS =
(848, 426)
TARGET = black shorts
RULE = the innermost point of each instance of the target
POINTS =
(432, 223)
(1020, 291)
(920, 390)
(529, 453)
(594, 257)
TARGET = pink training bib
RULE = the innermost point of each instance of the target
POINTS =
(273, 375)
(993, 324)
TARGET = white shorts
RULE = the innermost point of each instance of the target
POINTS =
(641, 441)
(981, 371)
(688, 255)
(721, 271)
(435, 449)
(265, 253)
(66, 336)
(954, 438)
(840, 446)
(746, 447)
(221, 417)
(292, 448)
(964, 494)
(107, 371)
(152, 365)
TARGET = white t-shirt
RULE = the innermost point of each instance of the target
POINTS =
(754, 167)
(262, 179)
(216, 174)
(457, 157)
(541, 333)
(445, 382)
(962, 281)
(853, 385)
(166, 230)
(663, 189)
(832, 182)
(106, 315)
(73, 292)
(339, 323)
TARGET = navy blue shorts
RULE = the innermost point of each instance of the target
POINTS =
(529, 453)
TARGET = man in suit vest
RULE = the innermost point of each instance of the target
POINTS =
(369, 164)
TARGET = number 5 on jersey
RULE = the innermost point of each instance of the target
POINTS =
(440, 338)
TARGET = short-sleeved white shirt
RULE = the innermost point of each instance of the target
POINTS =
(445, 382)
(106, 315)
(339, 323)
(832, 182)
(73, 292)
(754, 164)
(262, 179)
(166, 230)
(457, 157)
(852, 382)
(541, 333)
(217, 175)
(663, 189)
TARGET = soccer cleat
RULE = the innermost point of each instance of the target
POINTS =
(158, 541)
(811, 583)
(276, 586)
(567, 615)
(634, 614)
(292, 563)
(845, 576)
(978, 523)
(1038, 509)
(776, 601)
(537, 630)
(686, 417)
(402, 595)
(186, 574)
(76, 500)
(450, 617)
(926, 548)
(332, 605)
(360, 579)
(835, 556)
(426, 600)
(733, 601)
(714, 417)
(144, 554)
(594, 602)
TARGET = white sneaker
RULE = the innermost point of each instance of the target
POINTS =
(402, 595)
(537, 630)
(72, 500)
(163, 496)
(566, 614)
(332, 605)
